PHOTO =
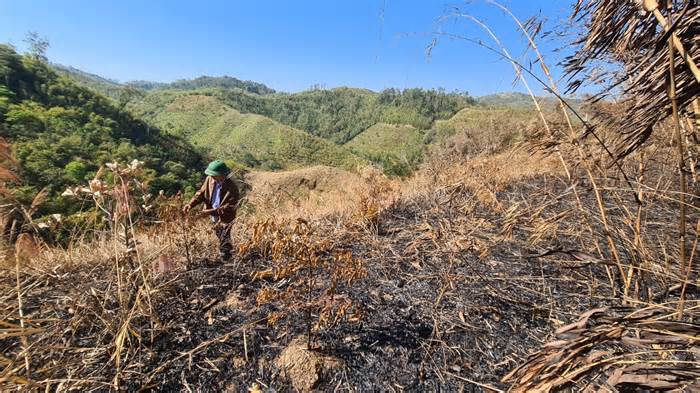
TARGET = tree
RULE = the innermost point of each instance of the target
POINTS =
(76, 171)
(129, 93)
(38, 46)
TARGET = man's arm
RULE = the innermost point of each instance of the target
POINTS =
(197, 198)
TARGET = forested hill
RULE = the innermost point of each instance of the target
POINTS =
(249, 124)
(113, 88)
(102, 85)
(516, 100)
(222, 82)
(337, 114)
(342, 113)
(62, 133)
(262, 130)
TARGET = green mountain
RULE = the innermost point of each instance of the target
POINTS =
(516, 100)
(335, 114)
(203, 82)
(112, 88)
(249, 139)
(236, 117)
(398, 148)
(342, 113)
(62, 133)
(108, 87)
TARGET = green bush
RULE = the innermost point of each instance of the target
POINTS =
(62, 134)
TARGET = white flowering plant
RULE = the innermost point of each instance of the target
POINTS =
(120, 193)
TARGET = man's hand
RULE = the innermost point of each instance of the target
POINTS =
(186, 209)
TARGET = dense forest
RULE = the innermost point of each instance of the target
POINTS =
(251, 125)
(341, 114)
(62, 133)
(223, 82)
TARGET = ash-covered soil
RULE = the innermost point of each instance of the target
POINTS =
(457, 293)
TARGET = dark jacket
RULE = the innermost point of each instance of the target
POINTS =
(228, 202)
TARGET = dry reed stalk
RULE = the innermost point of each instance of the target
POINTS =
(185, 228)
(553, 86)
(679, 142)
(599, 198)
(686, 278)
(516, 68)
(20, 310)
(627, 33)
(673, 40)
(639, 243)
(554, 89)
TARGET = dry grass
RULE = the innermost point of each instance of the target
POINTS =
(513, 270)
(314, 192)
(481, 248)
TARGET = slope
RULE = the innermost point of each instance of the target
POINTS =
(515, 100)
(109, 88)
(62, 133)
(479, 129)
(397, 148)
(248, 139)
(342, 113)
(337, 114)
(222, 82)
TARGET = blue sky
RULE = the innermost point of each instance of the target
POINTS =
(288, 45)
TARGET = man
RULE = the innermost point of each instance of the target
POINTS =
(220, 197)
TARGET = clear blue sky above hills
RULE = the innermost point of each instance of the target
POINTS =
(288, 45)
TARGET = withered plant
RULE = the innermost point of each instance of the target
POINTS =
(306, 274)
(118, 192)
(646, 51)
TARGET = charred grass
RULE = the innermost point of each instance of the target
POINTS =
(450, 284)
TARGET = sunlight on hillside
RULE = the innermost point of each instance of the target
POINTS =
(220, 234)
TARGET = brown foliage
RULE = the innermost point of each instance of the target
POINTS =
(300, 261)
(608, 348)
(634, 34)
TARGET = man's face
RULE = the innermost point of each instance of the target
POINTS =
(219, 179)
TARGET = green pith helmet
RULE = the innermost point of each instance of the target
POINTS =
(217, 168)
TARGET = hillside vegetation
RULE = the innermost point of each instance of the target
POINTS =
(515, 100)
(392, 128)
(63, 133)
(253, 140)
(397, 148)
(92, 81)
(340, 114)
(222, 82)
(335, 114)
(250, 125)
(293, 130)
(482, 130)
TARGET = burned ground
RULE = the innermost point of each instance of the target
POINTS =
(457, 292)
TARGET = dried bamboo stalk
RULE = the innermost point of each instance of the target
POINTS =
(23, 338)
(681, 158)
(653, 7)
(572, 133)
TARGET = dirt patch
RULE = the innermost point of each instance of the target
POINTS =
(233, 301)
(302, 366)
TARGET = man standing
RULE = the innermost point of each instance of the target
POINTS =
(220, 197)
